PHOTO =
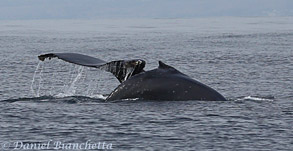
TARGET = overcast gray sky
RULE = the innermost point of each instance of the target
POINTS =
(79, 9)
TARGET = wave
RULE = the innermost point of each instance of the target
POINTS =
(102, 98)
(58, 99)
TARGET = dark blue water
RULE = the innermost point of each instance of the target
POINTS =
(248, 60)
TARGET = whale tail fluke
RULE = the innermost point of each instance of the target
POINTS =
(121, 69)
(74, 58)
(124, 69)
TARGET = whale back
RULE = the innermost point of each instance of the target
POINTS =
(164, 83)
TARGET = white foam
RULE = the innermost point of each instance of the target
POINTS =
(99, 96)
(254, 99)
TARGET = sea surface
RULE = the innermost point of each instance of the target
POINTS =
(53, 103)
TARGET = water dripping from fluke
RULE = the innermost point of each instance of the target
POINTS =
(76, 81)
(37, 73)
(70, 89)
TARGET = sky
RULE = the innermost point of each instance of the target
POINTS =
(95, 9)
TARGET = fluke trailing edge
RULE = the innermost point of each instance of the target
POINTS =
(162, 83)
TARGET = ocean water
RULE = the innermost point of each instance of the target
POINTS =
(248, 60)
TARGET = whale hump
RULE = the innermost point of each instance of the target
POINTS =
(121, 69)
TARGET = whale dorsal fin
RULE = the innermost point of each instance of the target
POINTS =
(168, 68)
(164, 66)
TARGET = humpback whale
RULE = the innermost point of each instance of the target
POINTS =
(162, 83)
